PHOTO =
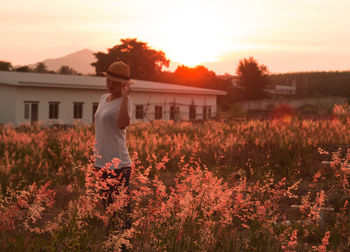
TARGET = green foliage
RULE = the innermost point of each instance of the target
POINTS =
(198, 76)
(41, 68)
(316, 84)
(5, 66)
(252, 78)
(67, 70)
(145, 63)
(231, 111)
(22, 69)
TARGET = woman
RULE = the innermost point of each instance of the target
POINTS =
(111, 118)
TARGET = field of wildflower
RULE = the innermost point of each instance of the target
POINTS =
(250, 185)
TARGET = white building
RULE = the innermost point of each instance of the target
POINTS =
(67, 99)
(287, 90)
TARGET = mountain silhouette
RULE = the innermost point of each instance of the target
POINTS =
(80, 61)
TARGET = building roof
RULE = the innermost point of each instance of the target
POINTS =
(94, 82)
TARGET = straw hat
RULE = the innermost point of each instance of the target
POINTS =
(119, 72)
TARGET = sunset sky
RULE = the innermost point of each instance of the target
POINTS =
(285, 35)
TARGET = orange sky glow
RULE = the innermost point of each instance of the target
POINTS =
(286, 36)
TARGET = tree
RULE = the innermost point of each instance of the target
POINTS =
(67, 70)
(198, 76)
(145, 63)
(316, 84)
(41, 68)
(252, 78)
(5, 66)
(22, 69)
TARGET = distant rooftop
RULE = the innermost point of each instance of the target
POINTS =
(24, 79)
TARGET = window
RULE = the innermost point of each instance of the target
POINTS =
(139, 112)
(192, 112)
(94, 109)
(31, 110)
(206, 112)
(78, 110)
(26, 110)
(35, 107)
(158, 112)
(53, 110)
(174, 113)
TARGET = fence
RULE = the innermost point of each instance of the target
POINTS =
(173, 111)
(265, 104)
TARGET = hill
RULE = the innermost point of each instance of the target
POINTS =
(80, 61)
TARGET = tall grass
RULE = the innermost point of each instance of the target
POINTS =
(209, 186)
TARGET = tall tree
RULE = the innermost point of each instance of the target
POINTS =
(67, 70)
(145, 63)
(252, 78)
(22, 69)
(198, 76)
(5, 66)
(41, 68)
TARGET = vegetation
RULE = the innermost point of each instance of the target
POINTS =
(195, 186)
(5, 66)
(40, 68)
(22, 69)
(146, 63)
(252, 78)
(316, 84)
(67, 70)
(198, 76)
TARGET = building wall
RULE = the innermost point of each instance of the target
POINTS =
(183, 101)
(7, 103)
(67, 97)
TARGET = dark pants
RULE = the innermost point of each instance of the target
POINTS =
(123, 175)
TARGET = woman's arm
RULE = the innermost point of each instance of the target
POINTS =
(123, 116)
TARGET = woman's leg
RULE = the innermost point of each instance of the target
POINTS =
(123, 176)
(104, 175)
(126, 179)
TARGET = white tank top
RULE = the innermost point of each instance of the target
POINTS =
(110, 140)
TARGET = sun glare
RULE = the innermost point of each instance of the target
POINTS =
(191, 45)
(192, 37)
(191, 54)
(190, 32)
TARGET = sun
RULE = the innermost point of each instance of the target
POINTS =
(195, 32)
(191, 46)
(191, 54)
(190, 36)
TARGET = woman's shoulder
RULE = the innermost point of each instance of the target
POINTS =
(102, 97)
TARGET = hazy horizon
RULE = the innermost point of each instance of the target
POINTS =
(288, 36)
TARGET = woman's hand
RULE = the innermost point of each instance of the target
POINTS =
(123, 115)
(125, 90)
